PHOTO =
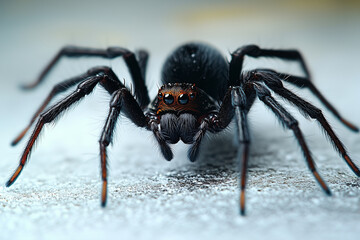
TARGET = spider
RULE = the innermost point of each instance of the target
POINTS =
(201, 92)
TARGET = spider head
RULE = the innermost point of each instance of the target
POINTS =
(178, 98)
(179, 107)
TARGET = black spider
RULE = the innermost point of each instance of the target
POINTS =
(201, 92)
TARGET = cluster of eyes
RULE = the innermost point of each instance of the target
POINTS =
(182, 98)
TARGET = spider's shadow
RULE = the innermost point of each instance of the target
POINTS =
(217, 161)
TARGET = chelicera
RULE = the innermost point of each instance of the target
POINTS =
(201, 92)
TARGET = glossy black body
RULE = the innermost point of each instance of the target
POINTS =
(198, 63)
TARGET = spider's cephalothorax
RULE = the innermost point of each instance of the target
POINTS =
(201, 92)
(180, 98)
(179, 108)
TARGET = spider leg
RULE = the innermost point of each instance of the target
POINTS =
(236, 63)
(194, 149)
(83, 89)
(219, 121)
(239, 102)
(63, 86)
(142, 57)
(303, 82)
(121, 100)
(275, 84)
(129, 57)
(58, 88)
(291, 123)
(154, 126)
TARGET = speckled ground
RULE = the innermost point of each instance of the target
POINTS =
(58, 194)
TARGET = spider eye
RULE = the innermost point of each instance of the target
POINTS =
(183, 99)
(192, 95)
(168, 99)
(160, 95)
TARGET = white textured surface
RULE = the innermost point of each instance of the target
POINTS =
(58, 194)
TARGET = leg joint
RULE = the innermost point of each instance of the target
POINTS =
(118, 51)
(69, 50)
(46, 117)
(88, 85)
(104, 142)
(293, 123)
(116, 101)
(250, 50)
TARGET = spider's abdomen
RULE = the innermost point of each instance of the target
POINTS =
(200, 64)
(175, 128)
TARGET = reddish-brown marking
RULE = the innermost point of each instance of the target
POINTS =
(16, 174)
(104, 192)
(350, 125)
(31, 143)
(242, 201)
(26, 154)
(103, 164)
(352, 165)
(38, 112)
(322, 183)
(191, 106)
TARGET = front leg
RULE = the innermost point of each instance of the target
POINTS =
(240, 99)
(194, 149)
(154, 126)
(235, 103)
(83, 89)
(216, 122)
(121, 100)
(111, 84)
